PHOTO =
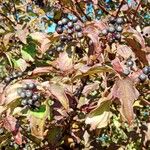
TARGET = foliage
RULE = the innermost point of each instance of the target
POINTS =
(74, 74)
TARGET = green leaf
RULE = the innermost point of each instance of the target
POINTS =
(28, 52)
(40, 113)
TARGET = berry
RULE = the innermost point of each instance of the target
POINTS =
(20, 74)
(24, 102)
(74, 19)
(78, 28)
(31, 86)
(15, 75)
(59, 30)
(119, 20)
(117, 36)
(1, 131)
(69, 38)
(104, 32)
(37, 104)
(69, 31)
(30, 101)
(111, 29)
(7, 79)
(35, 97)
(60, 23)
(129, 63)
(80, 35)
(119, 28)
(22, 94)
(126, 72)
(59, 48)
(63, 38)
(149, 76)
(70, 25)
(25, 86)
(112, 20)
(19, 90)
(142, 77)
(50, 52)
(29, 94)
(146, 70)
(64, 21)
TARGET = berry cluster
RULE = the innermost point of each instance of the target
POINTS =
(69, 27)
(145, 73)
(13, 76)
(30, 96)
(114, 29)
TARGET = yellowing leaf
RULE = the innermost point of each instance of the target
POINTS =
(100, 116)
(59, 93)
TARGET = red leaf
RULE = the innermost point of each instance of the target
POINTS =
(117, 65)
(125, 91)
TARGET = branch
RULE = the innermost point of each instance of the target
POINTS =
(122, 2)
(136, 10)
(103, 9)
(15, 11)
(79, 90)
(7, 18)
(81, 10)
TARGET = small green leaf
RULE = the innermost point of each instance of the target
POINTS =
(40, 113)
(28, 52)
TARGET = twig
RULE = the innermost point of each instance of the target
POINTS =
(146, 102)
(7, 18)
(103, 9)
(122, 2)
(79, 90)
(136, 10)
(81, 10)
(15, 11)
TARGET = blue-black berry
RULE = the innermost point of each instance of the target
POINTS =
(142, 77)
(31, 86)
(146, 70)
(7, 79)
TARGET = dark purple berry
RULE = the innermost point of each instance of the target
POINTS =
(126, 72)
(111, 29)
(59, 48)
(37, 104)
(146, 70)
(63, 38)
(80, 35)
(60, 23)
(29, 94)
(19, 90)
(25, 86)
(30, 101)
(20, 74)
(104, 32)
(119, 28)
(69, 38)
(7, 79)
(78, 28)
(129, 63)
(69, 31)
(117, 36)
(14, 74)
(74, 19)
(142, 77)
(31, 86)
(70, 25)
(24, 102)
(35, 97)
(64, 21)
(22, 94)
(1, 131)
(119, 20)
(59, 30)
(112, 19)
